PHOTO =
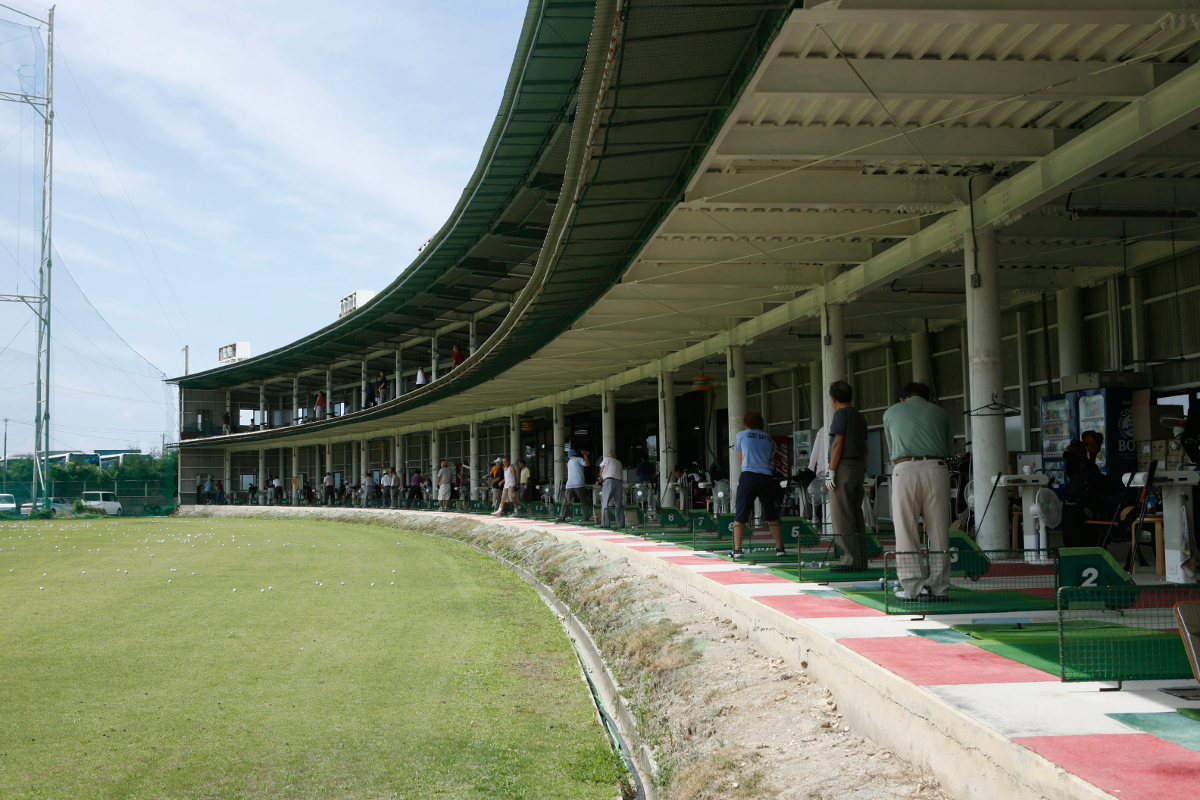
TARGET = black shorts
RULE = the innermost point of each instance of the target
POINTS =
(756, 486)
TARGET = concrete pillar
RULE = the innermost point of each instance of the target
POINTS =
(1070, 332)
(398, 380)
(261, 483)
(514, 439)
(328, 393)
(922, 364)
(833, 352)
(226, 475)
(262, 405)
(608, 424)
(1023, 377)
(435, 453)
(560, 454)
(473, 463)
(735, 388)
(471, 340)
(1137, 323)
(328, 458)
(232, 421)
(433, 359)
(295, 400)
(362, 403)
(295, 471)
(816, 396)
(988, 450)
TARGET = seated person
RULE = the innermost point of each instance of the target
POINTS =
(1084, 498)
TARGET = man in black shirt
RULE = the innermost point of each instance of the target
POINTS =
(847, 468)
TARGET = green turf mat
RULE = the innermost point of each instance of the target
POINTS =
(871, 598)
(942, 635)
(962, 601)
(1173, 727)
(1037, 645)
(825, 575)
(1190, 713)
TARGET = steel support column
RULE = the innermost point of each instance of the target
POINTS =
(608, 424)
(473, 464)
(816, 397)
(1137, 323)
(735, 389)
(514, 439)
(833, 352)
(667, 452)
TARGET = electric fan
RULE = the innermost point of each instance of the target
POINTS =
(1046, 511)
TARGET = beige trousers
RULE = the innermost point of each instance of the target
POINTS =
(922, 489)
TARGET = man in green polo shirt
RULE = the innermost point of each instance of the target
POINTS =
(919, 438)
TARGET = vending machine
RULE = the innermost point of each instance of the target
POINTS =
(1067, 416)
(1056, 435)
(1109, 411)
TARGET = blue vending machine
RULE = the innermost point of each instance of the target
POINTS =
(1109, 411)
(1056, 435)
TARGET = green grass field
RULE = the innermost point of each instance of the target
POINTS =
(195, 658)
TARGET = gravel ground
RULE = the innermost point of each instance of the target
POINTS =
(722, 720)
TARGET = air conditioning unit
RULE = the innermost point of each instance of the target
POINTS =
(354, 301)
(232, 353)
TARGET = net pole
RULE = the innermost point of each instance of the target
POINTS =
(41, 445)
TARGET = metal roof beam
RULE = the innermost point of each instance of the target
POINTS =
(1159, 115)
(832, 189)
(936, 144)
(994, 12)
(929, 79)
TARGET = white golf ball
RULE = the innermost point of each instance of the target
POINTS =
(235, 590)
(168, 581)
(372, 584)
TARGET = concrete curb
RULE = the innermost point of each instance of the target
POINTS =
(969, 759)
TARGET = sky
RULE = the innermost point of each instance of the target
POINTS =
(226, 171)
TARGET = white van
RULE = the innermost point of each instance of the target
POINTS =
(107, 501)
(8, 503)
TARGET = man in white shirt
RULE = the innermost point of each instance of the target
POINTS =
(576, 489)
(611, 476)
(368, 490)
(327, 482)
(385, 482)
(509, 493)
(444, 480)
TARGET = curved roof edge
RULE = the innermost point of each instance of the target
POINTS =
(576, 269)
(472, 216)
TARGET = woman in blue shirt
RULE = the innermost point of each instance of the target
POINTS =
(756, 483)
